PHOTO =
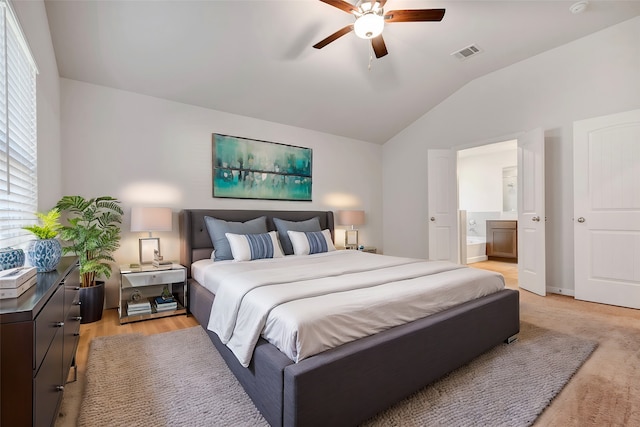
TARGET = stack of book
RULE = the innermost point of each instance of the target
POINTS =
(162, 265)
(142, 306)
(162, 304)
(16, 281)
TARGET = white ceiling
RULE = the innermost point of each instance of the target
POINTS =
(254, 58)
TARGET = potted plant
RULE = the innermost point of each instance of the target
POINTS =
(93, 234)
(44, 253)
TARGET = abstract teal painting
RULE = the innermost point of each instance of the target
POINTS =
(246, 168)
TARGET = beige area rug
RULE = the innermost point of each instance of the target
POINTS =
(177, 378)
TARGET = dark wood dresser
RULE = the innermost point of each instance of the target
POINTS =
(39, 334)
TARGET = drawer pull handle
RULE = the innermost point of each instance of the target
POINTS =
(59, 324)
(76, 334)
(60, 388)
(76, 288)
(77, 303)
(78, 318)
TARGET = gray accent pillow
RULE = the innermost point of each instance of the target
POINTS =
(218, 227)
(283, 226)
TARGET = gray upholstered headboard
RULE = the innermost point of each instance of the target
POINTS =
(195, 243)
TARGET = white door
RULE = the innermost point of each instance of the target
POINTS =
(443, 205)
(531, 213)
(606, 165)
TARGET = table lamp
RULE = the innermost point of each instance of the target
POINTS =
(350, 218)
(150, 219)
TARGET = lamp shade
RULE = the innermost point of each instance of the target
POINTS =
(350, 217)
(151, 219)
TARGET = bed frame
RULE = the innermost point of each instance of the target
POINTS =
(351, 383)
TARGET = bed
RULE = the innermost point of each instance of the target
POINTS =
(354, 381)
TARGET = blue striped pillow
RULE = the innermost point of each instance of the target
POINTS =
(317, 242)
(260, 245)
(311, 242)
(247, 247)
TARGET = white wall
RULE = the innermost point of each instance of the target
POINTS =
(152, 152)
(33, 20)
(480, 180)
(593, 76)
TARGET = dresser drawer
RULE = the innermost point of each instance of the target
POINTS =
(153, 278)
(72, 289)
(72, 319)
(71, 336)
(48, 322)
(47, 391)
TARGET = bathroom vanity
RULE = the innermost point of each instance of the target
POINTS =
(502, 240)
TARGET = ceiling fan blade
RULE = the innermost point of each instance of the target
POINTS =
(415, 15)
(333, 37)
(379, 47)
(342, 5)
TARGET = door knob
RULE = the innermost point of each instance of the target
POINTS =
(433, 218)
(581, 219)
(536, 219)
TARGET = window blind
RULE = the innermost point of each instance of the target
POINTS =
(18, 132)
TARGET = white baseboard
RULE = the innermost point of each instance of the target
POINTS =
(561, 291)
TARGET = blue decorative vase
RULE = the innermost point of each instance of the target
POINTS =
(44, 254)
(11, 258)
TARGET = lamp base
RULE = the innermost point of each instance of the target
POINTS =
(351, 239)
(148, 246)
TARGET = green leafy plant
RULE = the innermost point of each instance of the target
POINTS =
(93, 234)
(49, 225)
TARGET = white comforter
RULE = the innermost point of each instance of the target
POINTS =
(308, 304)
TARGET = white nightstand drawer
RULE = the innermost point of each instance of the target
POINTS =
(148, 278)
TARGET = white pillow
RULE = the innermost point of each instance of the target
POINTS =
(247, 247)
(311, 242)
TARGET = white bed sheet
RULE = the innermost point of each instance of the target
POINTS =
(308, 304)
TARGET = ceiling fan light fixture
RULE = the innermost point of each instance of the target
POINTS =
(366, 6)
(369, 25)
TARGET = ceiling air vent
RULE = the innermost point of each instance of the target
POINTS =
(467, 52)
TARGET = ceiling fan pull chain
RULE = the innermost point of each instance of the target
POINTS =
(370, 58)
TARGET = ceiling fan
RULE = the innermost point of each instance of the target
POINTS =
(370, 20)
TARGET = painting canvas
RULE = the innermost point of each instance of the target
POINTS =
(246, 168)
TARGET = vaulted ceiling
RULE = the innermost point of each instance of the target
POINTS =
(255, 58)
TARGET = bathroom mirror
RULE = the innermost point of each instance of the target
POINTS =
(510, 189)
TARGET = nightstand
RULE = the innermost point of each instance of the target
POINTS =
(141, 285)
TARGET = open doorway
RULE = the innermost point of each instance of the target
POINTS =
(444, 214)
(487, 199)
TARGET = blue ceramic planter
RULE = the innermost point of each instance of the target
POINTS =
(11, 258)
(44, 254)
